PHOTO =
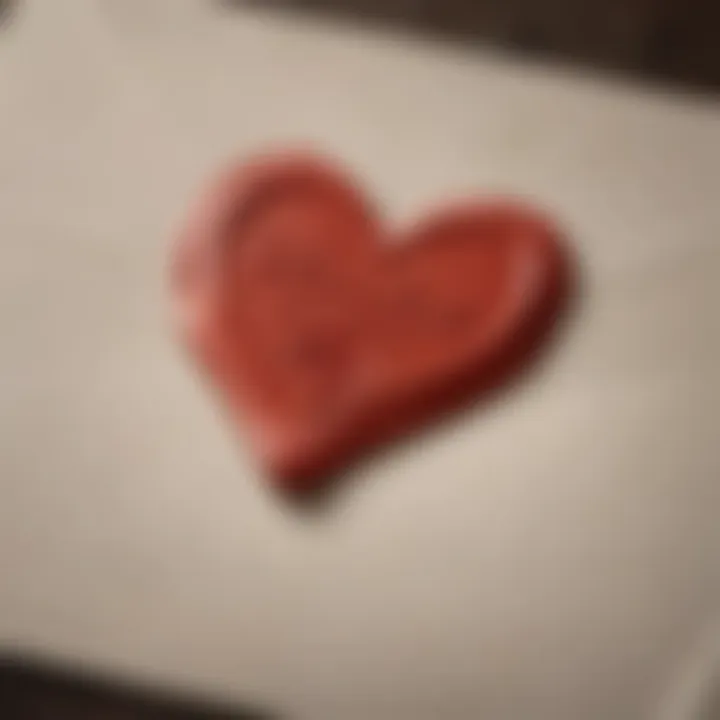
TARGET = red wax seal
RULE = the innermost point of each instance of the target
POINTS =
(326, 333)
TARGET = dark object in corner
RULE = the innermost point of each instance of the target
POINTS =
(37, 690)
(6, 11)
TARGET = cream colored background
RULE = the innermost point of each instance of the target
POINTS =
(555, 557)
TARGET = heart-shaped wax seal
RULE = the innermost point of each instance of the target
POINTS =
(327, 333)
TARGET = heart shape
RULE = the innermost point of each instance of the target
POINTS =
(327, 334)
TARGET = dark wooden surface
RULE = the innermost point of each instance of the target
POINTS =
(32, 689)
(675, 40)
